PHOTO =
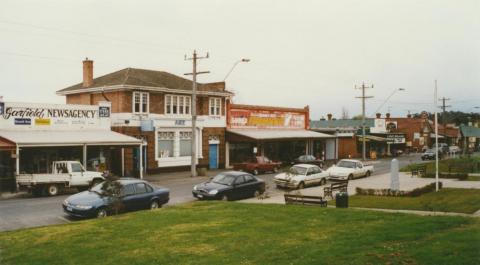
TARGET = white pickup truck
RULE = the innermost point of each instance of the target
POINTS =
(64, 174)
(349, 169)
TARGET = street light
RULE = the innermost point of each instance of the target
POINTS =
(234, 65)
(393, 92)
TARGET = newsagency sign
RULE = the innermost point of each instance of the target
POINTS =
(52, 116)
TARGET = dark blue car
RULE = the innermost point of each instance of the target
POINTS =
(119, 195)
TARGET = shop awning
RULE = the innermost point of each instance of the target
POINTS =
(67, 138)
(272, 134)
(372, 138)
(432, 135)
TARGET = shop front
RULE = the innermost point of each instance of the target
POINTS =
(278, 133)
(32, 136)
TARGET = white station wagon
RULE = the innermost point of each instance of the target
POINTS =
(300, 176)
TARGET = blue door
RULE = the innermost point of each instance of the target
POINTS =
(213, 156)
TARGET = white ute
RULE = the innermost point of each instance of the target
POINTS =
(64, 174)
(300, 176)
(349, 169)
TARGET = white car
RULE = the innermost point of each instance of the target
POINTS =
(349, 169)
(300, 176)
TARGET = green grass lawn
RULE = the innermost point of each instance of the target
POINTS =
(239, 233)
(446, 200)
(473, 178)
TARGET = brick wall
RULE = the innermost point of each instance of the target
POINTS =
(347, 146)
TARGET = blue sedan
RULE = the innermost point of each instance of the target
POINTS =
(114, 196)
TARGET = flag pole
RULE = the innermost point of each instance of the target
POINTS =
(436, 137)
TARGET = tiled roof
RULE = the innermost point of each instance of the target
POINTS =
(470, 131)
(139, 77)
(341, 123)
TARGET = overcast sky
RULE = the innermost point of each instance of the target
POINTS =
(302, 52)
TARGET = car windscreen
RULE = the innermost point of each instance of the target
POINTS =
(223, 179)
(298, 170)
(108, 188)
(347, 164)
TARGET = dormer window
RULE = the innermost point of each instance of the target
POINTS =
(140, 102)
(175, 104)
(215, 106)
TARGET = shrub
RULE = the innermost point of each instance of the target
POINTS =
(398, 193)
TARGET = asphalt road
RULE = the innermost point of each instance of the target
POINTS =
(27, 212)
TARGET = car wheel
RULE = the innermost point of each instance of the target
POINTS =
(350, 177)
(367, 174)
(255, 172)
(101, 213)
(52, 190)
(154, 205)
(225, 198)
(301, 185)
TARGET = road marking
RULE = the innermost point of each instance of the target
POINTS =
(64, 219)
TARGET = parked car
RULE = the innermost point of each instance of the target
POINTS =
(300, 176)
(349, 169)
(309, 159)
(260, 164)
(442, 148)
(228, 186)
(133, 194)
(454, 149)
(429, 154)
(64, 174)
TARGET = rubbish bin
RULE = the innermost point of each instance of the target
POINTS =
(341, 200)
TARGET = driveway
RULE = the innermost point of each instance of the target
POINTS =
(27, 212)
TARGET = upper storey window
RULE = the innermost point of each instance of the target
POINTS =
(215, 106)
(140, 102)
(175, 104)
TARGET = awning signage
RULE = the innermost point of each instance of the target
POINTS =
(395, 138)
(242, 118)
(16, 115)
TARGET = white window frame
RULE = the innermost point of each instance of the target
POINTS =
(176, 98)
(141, 96)
(217, 105)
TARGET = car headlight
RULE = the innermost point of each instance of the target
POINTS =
(213, 192)
(65, 202)
(83, 207)
(195, 187)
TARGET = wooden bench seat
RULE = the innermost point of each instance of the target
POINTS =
(341, 186)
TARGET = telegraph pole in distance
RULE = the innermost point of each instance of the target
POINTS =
(444, 107)
(363, 97)
(194, 74)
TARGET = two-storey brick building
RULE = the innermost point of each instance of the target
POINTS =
(156, 106)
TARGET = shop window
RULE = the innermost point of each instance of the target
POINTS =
(140, 102)
(177, 104)
(165, 144)
(215, 106)
(185, 143)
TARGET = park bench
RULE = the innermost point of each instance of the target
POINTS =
(305, 199)
(335, 186)
(419, 170)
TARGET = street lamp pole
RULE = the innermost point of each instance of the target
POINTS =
(393, 93)
(235, 65)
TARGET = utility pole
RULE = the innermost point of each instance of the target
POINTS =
(444, 107)
(436, 136)
(194, 74)
(363, 97)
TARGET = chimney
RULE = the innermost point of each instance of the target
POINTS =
(87, 72)
(329, 116)
(388, 115)
(379, 115)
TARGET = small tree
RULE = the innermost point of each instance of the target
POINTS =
(112, 189)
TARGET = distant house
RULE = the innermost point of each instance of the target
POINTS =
(156, 106)
(470, 138)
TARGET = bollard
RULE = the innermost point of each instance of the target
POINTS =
(394, 179)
